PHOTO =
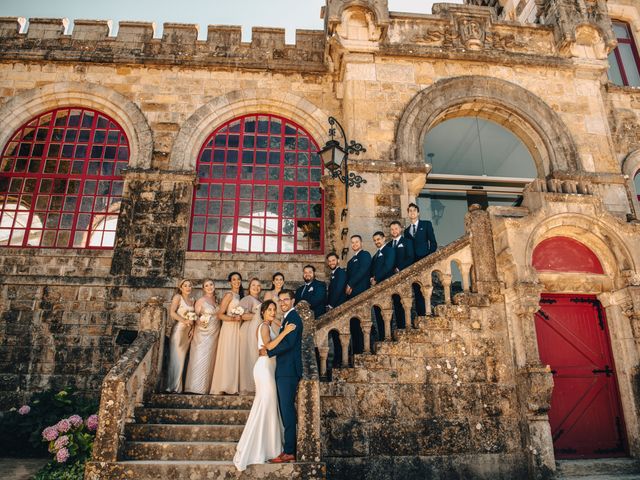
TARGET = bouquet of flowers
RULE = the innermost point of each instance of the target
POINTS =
(237, 311)
(192, 316)
(205, 318)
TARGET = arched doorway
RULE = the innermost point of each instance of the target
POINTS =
(573, 339)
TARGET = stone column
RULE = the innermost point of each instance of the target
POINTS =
(345, 339)
(478, 225)
(153, 227)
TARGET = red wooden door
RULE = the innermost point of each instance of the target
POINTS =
(585, 416)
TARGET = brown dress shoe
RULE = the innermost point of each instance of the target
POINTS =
(284, 458)
(277, 459)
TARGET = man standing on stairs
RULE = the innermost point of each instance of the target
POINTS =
(420, 232)
(288, 355)
(336, 294)
(313, 291)
(404, 258)
(382, 266)
(358, 269)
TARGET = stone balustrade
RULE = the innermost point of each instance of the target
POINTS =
(131, 380)
(381, 296)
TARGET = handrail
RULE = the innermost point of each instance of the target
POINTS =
(133, 378)
(381, 295)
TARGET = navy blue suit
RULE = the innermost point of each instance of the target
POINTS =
(404, 258)
(315, 294)
(358, 272)
(288, 355)
(404, 252)
(424, 243)
(382, 263)
(336, 295)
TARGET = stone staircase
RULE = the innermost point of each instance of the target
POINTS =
(598, 469)
(192, 437)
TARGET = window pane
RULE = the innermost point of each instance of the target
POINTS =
(614, 70)
(629, 64)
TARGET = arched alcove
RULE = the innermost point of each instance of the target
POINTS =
(564, 254)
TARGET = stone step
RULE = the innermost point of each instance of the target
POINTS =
(179, 450)
(597, 466)
(191, 416)
(154, 432)
(601, 477)
(200, 470)
(172, 400)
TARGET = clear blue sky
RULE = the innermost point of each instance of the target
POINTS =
(290, 14)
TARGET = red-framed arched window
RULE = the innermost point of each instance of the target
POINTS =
(258, 189)
(61, 183)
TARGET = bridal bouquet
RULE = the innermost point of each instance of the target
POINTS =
(205, 318)
(237, 311)
(191, 316)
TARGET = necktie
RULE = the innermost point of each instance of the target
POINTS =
(395, 243)
(304, 290)
(413, 230)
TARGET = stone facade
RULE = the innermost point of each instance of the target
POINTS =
(389, 78)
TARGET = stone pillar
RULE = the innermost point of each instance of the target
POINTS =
(154, 224)
(366, 333)
(345, 339)
(477, 224)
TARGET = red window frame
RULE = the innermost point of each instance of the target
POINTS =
(61, 183)
(258, 189)
(634, 49)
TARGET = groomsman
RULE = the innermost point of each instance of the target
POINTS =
(313, 291)
(424, 243)
(383, 261)
(358, 268)
(336, 294)
(404, 258)
(357, 282)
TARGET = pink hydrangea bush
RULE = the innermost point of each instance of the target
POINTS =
(24, 410)
(71, 439)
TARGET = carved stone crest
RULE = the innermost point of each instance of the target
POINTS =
(472, 32)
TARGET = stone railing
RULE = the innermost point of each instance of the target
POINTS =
(308, 440)
(130, 382)
(381, 296)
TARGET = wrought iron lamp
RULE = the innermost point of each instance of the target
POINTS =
(335, 158)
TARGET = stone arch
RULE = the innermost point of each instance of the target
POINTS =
(595, 234)
(21, 108)
(515, 108)
(221, 109)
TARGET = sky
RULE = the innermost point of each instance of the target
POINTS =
(289, 14)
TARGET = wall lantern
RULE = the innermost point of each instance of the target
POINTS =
(335, 158)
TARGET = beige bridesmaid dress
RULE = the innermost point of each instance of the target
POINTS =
(249, 344)
(203, 352)
(178, 349)
(227, 364)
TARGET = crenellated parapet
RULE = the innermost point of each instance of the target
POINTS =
(135, 44)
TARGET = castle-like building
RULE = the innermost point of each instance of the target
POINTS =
(130, 161)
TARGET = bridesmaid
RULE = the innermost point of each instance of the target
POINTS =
(226, 374)
(204, 342)
(277, 284)
(183, 313)
(249, 336)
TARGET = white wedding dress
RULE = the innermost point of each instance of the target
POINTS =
(262, 436)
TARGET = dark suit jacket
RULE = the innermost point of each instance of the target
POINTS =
(424, 241)
(382, 263)
(404, 253)
(288, 353)
(336, 295)
(315, 294)
(358, 272)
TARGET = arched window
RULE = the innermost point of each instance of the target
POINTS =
(258, 189)
(636, 184)
(61, 183)
(474, 160)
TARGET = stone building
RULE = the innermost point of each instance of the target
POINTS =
(130, 161)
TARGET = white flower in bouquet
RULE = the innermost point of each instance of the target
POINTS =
(205, 318)
(191, 316)
(237, 311)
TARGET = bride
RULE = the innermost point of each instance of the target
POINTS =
(262, 435)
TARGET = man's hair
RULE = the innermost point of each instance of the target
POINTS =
(395, 222)
(288, 292)
(356, 236)
(414, 206)
(311, 267)
(332, 254)
(378, 233)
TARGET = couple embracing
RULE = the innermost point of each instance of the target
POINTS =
(276, 374)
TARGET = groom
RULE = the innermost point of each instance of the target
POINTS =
(288, 355)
